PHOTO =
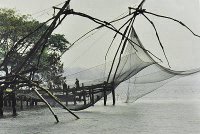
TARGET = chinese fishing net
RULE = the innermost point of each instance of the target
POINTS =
(144, 74)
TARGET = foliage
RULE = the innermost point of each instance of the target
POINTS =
(13, 27)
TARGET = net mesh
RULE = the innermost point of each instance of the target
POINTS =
(144, 74)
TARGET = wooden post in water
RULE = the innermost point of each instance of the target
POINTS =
(9, 101)
(113, 92)
(52, 96)
(31, 102)
(65, 88)
(74, 96)
(13, 98)
(21, 102)
(91, 96)
(35, 100)
(40, 96)
(26, 102)
(5, 102)
(104, 93)
(67, 96)
(84, 94)
(1, 103)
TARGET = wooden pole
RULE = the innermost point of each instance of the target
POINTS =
(44, 38)
(31, 102)
(9, 101)
(74, 97)
(84, 97)
(91, 94)
(26, 102)
(113, 93)
(93, 97)
(21, 102)
(36, 101)
(52, 96)
(67, 96)
(5, 102)
(1, 103)
(84, 94)
(13, 98)
(40, 96)
(55, 98)
(104, 93)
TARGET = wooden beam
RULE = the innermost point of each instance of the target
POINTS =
(113, 93)
(104, 93)
(1, 103)
(40, 96)
(51, 95)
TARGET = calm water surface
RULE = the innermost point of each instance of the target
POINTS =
(174, 109)
(142, 117)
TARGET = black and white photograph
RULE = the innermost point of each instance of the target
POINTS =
(99, 67)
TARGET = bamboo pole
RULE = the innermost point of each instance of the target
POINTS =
(50, 94)
(40, 96)
(104, 93)
(56, 99)
(1, 103)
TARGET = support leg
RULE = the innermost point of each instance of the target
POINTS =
(13, 98)
(92, 97)
(113, 96)
(105, 97)
(5, 102)
(52, 96)
(67, 97)
(21, 103)
(84, 97)
(104, 93)
(1, 103)
(40, 96)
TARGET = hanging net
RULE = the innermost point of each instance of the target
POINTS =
(144, 74)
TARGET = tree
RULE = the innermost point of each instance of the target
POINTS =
(50, 66)
(46, 64)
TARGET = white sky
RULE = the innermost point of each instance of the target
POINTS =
(182, 49)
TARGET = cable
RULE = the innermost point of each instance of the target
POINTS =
(158, 37)
(47, 9)
(89, 47)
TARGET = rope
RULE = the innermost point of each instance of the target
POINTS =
(158, 37)
(89, 47)
(47, 9)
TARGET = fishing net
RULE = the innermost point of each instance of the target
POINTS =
(137, 66)
(150, 78)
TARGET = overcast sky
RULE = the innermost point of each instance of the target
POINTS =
(182, 49)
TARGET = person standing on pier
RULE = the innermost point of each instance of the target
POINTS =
(64, 87)
(77, 83)
(77, 86)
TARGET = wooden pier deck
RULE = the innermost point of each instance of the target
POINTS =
(74, 98)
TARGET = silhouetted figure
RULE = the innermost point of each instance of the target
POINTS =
(77, 83)
(64, 86)
(51, 86)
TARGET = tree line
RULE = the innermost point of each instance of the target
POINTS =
(46, 66)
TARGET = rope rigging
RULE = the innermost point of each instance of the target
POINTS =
(121, 67)
(125, 31)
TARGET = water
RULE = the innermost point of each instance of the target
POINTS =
(174, 109)
(142, 117)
